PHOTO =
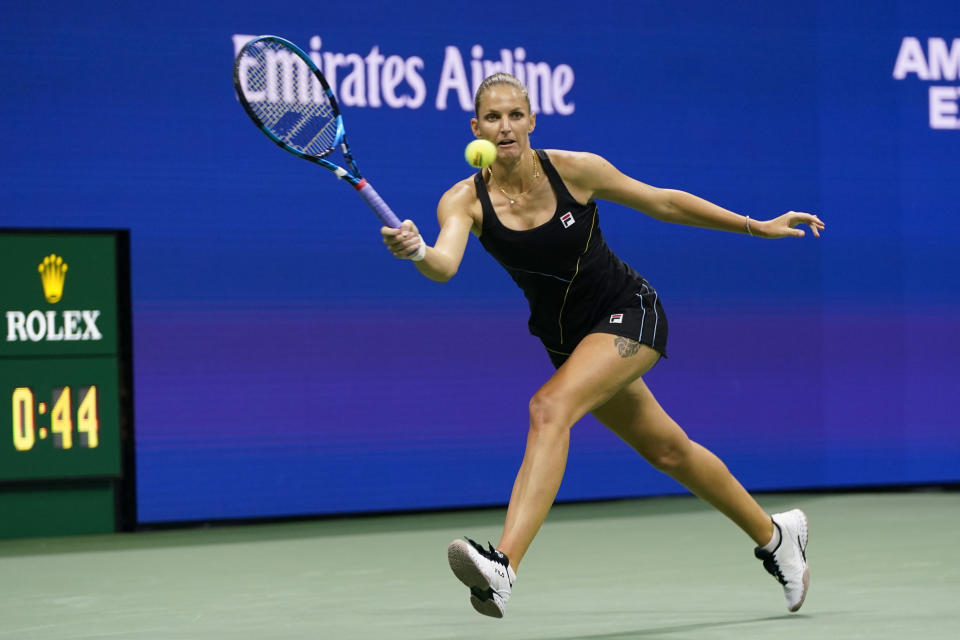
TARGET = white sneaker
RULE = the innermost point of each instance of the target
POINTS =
(486, 572)
(788, 562)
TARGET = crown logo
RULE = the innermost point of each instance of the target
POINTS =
(53, 271)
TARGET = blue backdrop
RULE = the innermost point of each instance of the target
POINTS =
(286, 364)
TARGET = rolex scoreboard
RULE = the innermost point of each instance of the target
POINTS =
(66, 435)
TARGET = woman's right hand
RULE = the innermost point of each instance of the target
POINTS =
(406, 242)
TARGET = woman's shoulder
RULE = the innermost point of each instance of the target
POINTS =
(581, 171)
(462, 192)
(571, 164)
(461, 199)
(572, 160)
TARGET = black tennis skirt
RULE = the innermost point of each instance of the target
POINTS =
(640, 317)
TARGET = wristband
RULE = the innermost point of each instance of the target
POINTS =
(421, 250)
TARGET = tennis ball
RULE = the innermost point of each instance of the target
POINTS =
(480, 153)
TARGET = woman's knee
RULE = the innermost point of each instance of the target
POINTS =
(668, 454)
(548, 412)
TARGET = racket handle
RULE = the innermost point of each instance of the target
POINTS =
(376, 203)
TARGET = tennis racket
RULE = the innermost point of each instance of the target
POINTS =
(287, 97)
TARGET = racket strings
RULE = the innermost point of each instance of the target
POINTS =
(287, 99)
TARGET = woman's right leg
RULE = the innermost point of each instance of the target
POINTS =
(590, 377)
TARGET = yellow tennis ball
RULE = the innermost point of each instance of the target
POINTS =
(480, 153)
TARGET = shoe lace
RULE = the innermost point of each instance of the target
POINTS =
(770, 564)
(491, 553)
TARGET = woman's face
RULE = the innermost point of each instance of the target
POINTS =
(505, 120)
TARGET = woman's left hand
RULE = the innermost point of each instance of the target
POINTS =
(785, 225)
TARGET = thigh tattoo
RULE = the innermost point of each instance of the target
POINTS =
(625, 346)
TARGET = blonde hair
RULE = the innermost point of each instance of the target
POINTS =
(496, 79)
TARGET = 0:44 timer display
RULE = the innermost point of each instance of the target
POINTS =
(27, 429)
(59, 418)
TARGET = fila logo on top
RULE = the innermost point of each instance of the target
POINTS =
(567, 219)
(39, 325)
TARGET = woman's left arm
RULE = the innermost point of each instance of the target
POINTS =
(594, 177)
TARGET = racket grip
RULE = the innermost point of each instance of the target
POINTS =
(376, 203)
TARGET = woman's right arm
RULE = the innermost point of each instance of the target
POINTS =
(441, 261)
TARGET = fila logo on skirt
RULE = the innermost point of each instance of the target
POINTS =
(616, 318)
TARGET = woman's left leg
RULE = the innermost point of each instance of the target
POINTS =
(636, 416)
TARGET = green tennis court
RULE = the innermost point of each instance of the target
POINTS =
(883, 565)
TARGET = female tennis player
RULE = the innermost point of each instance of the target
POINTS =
(602, 325)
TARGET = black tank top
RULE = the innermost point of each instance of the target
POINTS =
(565, 269)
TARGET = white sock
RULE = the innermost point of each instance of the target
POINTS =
(774, 541)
